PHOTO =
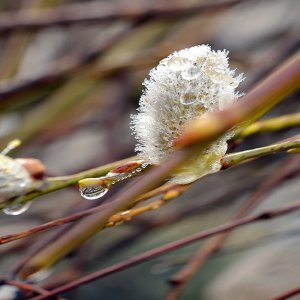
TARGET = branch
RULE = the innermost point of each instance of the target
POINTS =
(53, 184)
(196, 137)
(56, 183)
(181, 279)
(170, 191)
(94, 13)
(274, 124)
(27, 287)
(236, 158)
(288, 294)
(133, 261)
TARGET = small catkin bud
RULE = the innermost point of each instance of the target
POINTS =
(15, 180)
(185, 85)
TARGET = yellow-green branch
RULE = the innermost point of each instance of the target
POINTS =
(270, 125)
(230, 160)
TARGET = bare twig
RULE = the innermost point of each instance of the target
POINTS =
(27, 287)
(265, 216)
(236, 158)
(93, 12)
(196, 137)
(56, 183)
(288, 294)
(168, 189)
(181, 279)
(274, 124)
(174, 190)
(64, 68)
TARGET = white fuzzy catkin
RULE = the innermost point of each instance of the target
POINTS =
(187, 84)
(14, 178)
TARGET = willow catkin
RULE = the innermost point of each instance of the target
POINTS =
(185, 85)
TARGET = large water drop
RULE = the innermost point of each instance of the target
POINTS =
(93, 192)
(16, 209)
(178, 63)
(187, 98)
(191, 73)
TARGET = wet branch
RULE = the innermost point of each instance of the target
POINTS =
(289, 167)
(196, 137)
(133, 261)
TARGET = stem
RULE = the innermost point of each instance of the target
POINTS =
(288, 294)
(273, 124)
(288, 168)
(133, 261)
(236, 158)
(93, 12)
(228, 160)
(168, 190)
(197, 136)
(53, 184)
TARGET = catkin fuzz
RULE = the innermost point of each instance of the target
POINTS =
(187, 84)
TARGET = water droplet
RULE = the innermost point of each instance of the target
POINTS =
(93, 192)
(115, 177)
(191, 73)
(216, 77)
(177, 63)
(16, 209)
(187, 98)
(40, 275)
(234, 83)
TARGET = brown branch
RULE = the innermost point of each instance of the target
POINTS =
(27, 287)
(288, 294)
(168, 189)
(199, 134)
(94, 13)
(133, 261)
(65, 67)
(77, 216)
(181, 279)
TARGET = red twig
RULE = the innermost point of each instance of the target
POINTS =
(93, 12)
(181, 279)
(170, 247)
(78, 216)
(27, 287)
(200, 133)
(288, 294)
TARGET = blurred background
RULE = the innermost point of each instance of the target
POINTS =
(67, 89)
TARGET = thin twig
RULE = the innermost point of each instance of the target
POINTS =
(133, 261)
(181, 279)
(176, 190)
(236, 158)
(195, 138)
(64, 68)
(56, 183)
(269, 125)
(168, 189)
(27, 287)
(49, 184)
(93, 12)
(288, 294)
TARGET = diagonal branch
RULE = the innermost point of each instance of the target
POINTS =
(196, 137)
(269, 125)
(288, 294)
(56, 183)
(133, 261)
(181, 279)
(170, 191)
(94, 13)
